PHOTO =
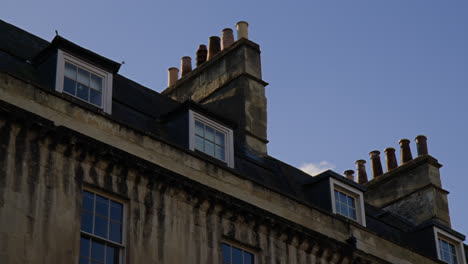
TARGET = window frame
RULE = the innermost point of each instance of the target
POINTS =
(107, 77)
(228, 133)
(451, 239)
(352, 192)
(122, 246)
(236, 245)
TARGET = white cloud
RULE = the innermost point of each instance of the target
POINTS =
(316, 168)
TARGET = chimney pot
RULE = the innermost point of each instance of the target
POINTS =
(185, 65)
(172, 76)
(376, 165)
(242, 30)
(214, 46)
(390, 157)
(202, 52)
(227, 38)
(421, 145)
(349, 174)
(361, 171)
(405, 150)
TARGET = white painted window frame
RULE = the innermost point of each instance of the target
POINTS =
(241, 247)
(122, 245)
(107, 77)
(353, 192)
(229, 135)
(456, 242)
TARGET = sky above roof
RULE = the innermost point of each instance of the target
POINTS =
(346, 77)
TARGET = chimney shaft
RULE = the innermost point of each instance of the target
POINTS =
(185, 65)
(172, 76)
(361, 171)
(202, 52)
(405, 151)
(242, 30)
(227, 38)
(349, 174)
(214, 46)
(376, 165)
(390, 158)
(421, 145)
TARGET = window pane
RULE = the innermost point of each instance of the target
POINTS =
(342, 197)
(199, 143)
(351, 202)
(199, 128)
(83, 77)
(236, 256)
(84, 261)
(96, 82)
(248, 258)
(219, 152)
(88, 201)
(112, 256)
(102, 206)
(95, 97)
(84, 247)
(70, 71)
(115, 232)
(344, 209)
(337, 197)
(209, 133)
(116, 211)
(219, 138)
(86, 222)
(97, 251)
(209, 148)
(226, 252)
(82, 92)
(100, 226)
(69, 86)
(352, 214)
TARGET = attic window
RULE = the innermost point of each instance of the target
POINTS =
(84, 81)
(347, 201)
(449, 248)
(211, 138)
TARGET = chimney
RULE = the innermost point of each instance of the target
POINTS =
(202, 52)
(376, 165)
(214, 46)
(172, 76)
(230, 85)
(349, 174)
(390, 158)
(242, 30)
(361, 171)
(421, 145)
(405, 150)
(227, 38)
(185, 65)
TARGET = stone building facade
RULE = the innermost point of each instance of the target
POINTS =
(95, 168)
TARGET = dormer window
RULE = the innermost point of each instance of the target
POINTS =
(84, 81)
(211, 138)
(347, 201)
(449, 247)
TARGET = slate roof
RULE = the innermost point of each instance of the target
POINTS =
(142, 109)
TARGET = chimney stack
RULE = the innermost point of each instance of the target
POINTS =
(242, 30)
(172, 76)
(405, 151)
(185, 65)
(376, 165)
(202, 52)
(227, 38)
(421, 145)
(214, 46)
(349, 174)
(361, 171)
(390, 158)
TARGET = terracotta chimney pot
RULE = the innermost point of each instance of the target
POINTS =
(202, 52)
(227, 38)
(349, 174)
(172, 76)
(185, 65)
(376, 165)
(242, 30)
(390, 158)
(421, 145)
(405, 150)
(361, 171)
(214, 46)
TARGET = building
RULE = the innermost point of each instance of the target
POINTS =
(95, 168)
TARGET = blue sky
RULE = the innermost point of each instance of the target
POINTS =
(346, 77)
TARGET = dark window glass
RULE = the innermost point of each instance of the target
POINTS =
(69, 86)
(97, 251)
(95, 97)
(84, 247)
(86, 222)
(235, 255)
(84, 260)
(82, 92)
(100, 226)
(115, 231)
(102, 206)
(248, 258)
(116, 211)
(345, 205)
(226, 252)
(210, 141)
(88, 201)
